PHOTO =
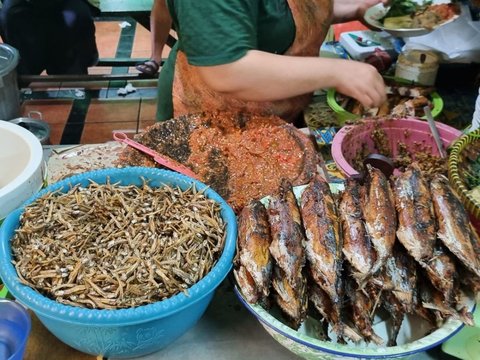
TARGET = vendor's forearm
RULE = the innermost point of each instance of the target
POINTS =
(263, 76)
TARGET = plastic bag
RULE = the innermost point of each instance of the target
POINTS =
(476, 114)
(456, 42)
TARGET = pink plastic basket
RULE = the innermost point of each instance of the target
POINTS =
(352, 138)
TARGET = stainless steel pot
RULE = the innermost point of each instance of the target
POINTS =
(9, 92)
(35, 124)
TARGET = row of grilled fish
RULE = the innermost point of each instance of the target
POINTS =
(341, 257)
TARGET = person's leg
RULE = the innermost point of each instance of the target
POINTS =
(76, 34)
(24, 30)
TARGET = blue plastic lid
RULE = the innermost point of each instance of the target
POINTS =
(9, 58)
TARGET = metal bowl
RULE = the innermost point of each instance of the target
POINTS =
(35, 125)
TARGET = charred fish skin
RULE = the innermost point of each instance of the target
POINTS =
(293, 301)
(287, 234)
(434, 300)
(287, 249)
(416, 218)
(357, 247)
(253, 264)
(323, 304)
(400, 277)
(361, 308)
(323, 245)
(396, 311)
(441, 271)
(454, 228)
(380, 216)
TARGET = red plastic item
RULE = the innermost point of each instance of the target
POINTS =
(346, 27)
(160, 159)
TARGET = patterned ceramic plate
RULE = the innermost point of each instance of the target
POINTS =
(412, 338)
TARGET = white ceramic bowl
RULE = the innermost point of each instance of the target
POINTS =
(21, 169)
(411, 339)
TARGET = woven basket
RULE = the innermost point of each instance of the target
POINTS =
(456, 179)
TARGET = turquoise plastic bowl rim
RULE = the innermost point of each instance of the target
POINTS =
(46, 307)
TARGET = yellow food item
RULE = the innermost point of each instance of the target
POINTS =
(475, 193)
(398, 22)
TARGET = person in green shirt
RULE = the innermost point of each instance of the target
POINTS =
(259, 56)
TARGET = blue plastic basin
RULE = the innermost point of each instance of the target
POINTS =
(125, 332)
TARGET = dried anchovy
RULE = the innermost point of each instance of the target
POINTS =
(110, 247)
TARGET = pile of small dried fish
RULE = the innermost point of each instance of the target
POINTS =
(395, 247)
(111, 247)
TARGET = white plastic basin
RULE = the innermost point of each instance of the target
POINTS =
(21, 170)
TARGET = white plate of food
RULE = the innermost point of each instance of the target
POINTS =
(408, 18)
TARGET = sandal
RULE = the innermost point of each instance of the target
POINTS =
(149, 67)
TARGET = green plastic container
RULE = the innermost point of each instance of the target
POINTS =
(3, 291)
(466, 344)
(344, 115)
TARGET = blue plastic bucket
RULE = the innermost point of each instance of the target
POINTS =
(15, 327)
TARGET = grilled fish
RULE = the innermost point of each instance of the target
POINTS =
(416, 218)
(357, 247)
(379, 213)
(362, 306)
(288, 251)
(253, 263)
(400, 277)
(293, 301)
(323, 304)
(287, 233)
(441, 272)
(396, 310)
(433, 299)
(454, 228)
(323, 245)
(470, 282)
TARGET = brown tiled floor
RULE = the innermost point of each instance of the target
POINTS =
(106, 116)
(109, 112)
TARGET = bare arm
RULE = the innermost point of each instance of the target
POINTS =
(160, 25)
(262, 76)
(347, 10)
